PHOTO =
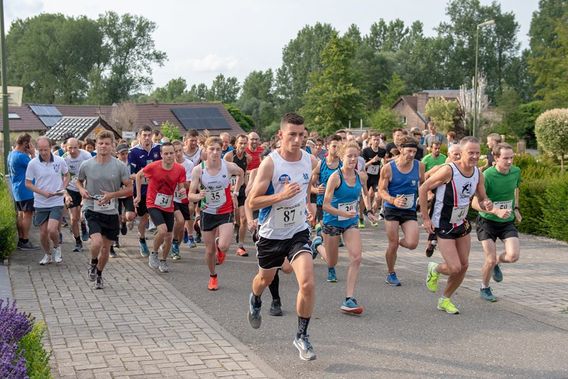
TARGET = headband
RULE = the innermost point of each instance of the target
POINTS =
(411, 144)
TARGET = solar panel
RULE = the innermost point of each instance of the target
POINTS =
(201, 118)
(48, 114)
(49, 121)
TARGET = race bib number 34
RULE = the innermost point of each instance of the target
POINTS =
(163, 201)
(289, 217)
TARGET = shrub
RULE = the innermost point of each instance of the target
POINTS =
(8, 230)
(37, 359)
(531, 191)
(554, 211)
(551, 131)
(14, 326)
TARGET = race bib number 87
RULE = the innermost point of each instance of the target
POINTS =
(289, 217)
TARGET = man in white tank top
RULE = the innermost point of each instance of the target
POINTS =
(281, 190)
(454, 184)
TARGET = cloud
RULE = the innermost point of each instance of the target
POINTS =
(22, 9)
(212, 63)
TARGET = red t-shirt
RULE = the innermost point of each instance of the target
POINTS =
(255, 161)
(162, 184)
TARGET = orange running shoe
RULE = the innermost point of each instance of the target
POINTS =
(213, 283)
(220, 255)
(241, 252)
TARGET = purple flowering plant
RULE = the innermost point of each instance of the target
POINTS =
(14, 325)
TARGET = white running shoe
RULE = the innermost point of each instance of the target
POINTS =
(57, 258)
(45, 260)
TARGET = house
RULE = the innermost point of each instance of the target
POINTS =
(79, 127)
(411, 109)
(22, 120)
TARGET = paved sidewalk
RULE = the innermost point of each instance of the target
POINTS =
(139, 325)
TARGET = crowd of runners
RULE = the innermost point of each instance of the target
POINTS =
(296, 198)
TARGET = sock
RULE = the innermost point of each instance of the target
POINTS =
(94, 261)
(361, 220)
(99, 272)
(257, 300)
(142, 239)
(273, 287)
(78, 239)
(175, 242)
(213, 275)
(162, 260)
(302, 326)
(483, 286)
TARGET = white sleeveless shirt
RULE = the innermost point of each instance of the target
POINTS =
(287, 217)
(217, 187)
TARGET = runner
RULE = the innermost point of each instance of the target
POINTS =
(194, 153)
(73, 158)
(163, 179)
(254, 150)
(125, 204)
(502, 182)
(398, 186)
(100, 181)
(455, 184)
(226, 138)
(241, 159)
(280, 191)
(323, 171)
(217, 204)
(139, 157)
(47, 177)
(435, 158)
(373, 156)
(182, 215)
(493, 140)
(343, 190)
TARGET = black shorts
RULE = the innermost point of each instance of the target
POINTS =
(454, 233)
(210, 221)
(242, 197)
(332, 230)
(141, 209)
(313, 198)
(126, 203)
(184, 209)
(400, 215)
(319, 213)
(25, 205)
(271, 253)
(107, 225)
(372, 182)
(76, 199)
(160, 217)
(488, 229)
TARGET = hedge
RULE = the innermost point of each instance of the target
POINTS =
(8, 229)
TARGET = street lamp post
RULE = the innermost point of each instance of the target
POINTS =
(6, 131)
(475, 77)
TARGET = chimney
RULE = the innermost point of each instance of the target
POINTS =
(421, 100)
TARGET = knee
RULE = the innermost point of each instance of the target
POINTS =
(96, 242)
(53, 230)
(356, 259)
(412, 244)
(454, 268)
(464, 267)
(513, 258)
(307, 287)
(224, 245)
(491, 261)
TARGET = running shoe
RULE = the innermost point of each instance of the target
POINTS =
(497, 274)
(174, 249)
(219, 255)
(254, 316)
(198, 238)
(26, 245)
(392, 279)
(318, 229)
(331, 276)
(78, 247)
(446, 305)
(143, 246)
(486, 294)
(92, 272)
(317, 241)
(213, 283)
(45, 260)
(123, 228)
(57, 258)
(432, 277)
(185, 236)
(350, 306)
(99, 283)
(84, 232)
(117, 243)
(361, 224)
(241, 252)
(163, 267)
(305, 348)
(153, 260)
(191, 242)
(430, 248)
(374, 224)
(276, 308)
(113, 252)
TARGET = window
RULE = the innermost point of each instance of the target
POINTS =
(403, 120)
(14, 116)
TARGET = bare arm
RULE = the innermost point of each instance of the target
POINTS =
(194, 194)
(384, 181)
(332, 183)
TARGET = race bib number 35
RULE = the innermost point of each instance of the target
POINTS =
(215, 198)
(289, 217)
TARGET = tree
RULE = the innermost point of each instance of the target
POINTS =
(244, 121)
(551, 131)
(171, 92)
(124, 116)
(385, 120)
(224, 89)
(257, 98)
(130, 53)
(170, 131)
(332, 98)
(52, 56)
(443, 112)
(394, 89)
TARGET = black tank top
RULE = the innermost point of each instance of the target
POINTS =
(242, 162)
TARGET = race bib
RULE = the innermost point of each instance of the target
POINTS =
(180, 194)
(163, 201)
(347, 207)
(289, 217)
(215, 198)
(105, 207)
(459, 214)
(233, 181)
(408, 201)
(373, 169)
(508, 205)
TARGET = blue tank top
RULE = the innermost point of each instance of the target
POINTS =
(345, 197)
(325, 173)
(404, 185)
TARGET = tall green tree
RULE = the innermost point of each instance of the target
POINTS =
(257, 98)
(224, 89)
(333, 98)
(173, 91)
(52, 56)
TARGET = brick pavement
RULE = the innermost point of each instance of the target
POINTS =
(139, 325)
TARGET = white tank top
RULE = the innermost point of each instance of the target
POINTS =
(217, 187)
(196, 157)
(452, 199)
(287, 217)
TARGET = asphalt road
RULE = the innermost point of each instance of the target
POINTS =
(400, 334)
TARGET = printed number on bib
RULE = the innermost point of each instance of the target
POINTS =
(373, 169)
(459, 214)
(180, 195)
(347, 207)
(105, 207)
(233, 181)
(289, 217)
(408, 201)
(508, 205)
(215, 198)
(163, 201)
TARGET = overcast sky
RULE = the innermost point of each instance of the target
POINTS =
(235, 37)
